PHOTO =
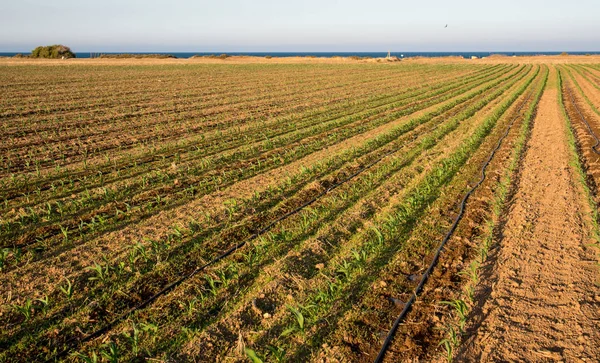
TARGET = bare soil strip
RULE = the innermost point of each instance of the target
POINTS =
(539, 293)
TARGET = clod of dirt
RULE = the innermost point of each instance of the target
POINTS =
(414, 277)
(397, 302)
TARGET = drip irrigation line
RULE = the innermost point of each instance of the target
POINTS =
(72, 343)
(595, 146)
(438, 252)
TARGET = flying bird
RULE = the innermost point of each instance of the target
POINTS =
(446, 26)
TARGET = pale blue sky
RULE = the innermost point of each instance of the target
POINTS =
(307, 25)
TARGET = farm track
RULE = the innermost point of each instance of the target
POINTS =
(323, 215)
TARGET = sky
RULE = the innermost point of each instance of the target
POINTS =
(301, 26)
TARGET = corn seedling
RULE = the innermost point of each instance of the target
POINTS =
(67, 289)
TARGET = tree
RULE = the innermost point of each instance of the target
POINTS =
(52, 51)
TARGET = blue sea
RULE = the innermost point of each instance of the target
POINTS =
(330, 54)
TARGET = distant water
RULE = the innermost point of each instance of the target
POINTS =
(334, 54)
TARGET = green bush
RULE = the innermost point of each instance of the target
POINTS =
(52, 51)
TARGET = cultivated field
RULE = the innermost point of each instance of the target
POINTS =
(238, 211)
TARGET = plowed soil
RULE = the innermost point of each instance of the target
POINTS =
(318, 189)
(539, 299)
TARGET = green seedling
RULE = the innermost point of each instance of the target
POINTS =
(277, 353)
(345, 269)
(65, 233)
(213, 284)
(133, 338)
(44, 302)
(4, 253)
(101, 273)
(461, 309)
(26, 310)
(150, 329)
(471, 273)
(447, 344)
(110, 352)
(91, 358)
(254, 358)
(67, 289)
(378, 235)
(299, 324)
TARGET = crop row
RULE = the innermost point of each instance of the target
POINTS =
(218, 177)
(431, 149)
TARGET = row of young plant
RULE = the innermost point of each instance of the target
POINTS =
(139, 122)
(388, 138)
(195, 144)
(119, 93)
(21, 186)
(63, 234)
(285, 234)
(200, 142)
(380, 305)
(586, 78)
(253, 95)
(462, 303)
(234, 98)
(580, 137)
(164, 178)
(590, 72)
(580, 162)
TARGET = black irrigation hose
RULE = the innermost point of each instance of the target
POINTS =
(595, 146)
(436, 257)
(75, 342)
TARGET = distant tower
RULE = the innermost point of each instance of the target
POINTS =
(389, 55)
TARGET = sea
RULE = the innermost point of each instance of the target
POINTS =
(330, 54)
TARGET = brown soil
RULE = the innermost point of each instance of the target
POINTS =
(539, 295)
